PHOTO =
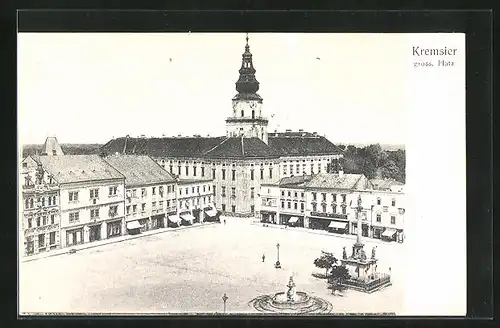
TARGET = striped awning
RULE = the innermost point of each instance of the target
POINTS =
(133, 225)
(174, 218)
(187, 217)
(211, 212)
(293, 219)
(388, 232)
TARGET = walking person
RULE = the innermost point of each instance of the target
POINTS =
(263, 257)
(224, 221)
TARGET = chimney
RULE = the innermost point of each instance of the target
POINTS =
(315, 133)
(288, 130)
(301, 130)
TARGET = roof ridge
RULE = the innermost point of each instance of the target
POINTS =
(213, 148)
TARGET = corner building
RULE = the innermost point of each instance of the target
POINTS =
(246, 157)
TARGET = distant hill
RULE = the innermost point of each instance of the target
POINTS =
(68, 149)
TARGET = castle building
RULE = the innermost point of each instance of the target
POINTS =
(246, 157)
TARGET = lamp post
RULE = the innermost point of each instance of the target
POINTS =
(224, 298)
(278, 264)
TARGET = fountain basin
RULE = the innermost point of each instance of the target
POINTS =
(302, 304)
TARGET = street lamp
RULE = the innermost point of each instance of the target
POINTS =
(224, 298)
(278, 265)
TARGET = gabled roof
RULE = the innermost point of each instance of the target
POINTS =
(51, 147)
(302, 144)
(336, 181)
(384, 184)
(78, 168)
(296, 181)
(139, 170)
(215, 147)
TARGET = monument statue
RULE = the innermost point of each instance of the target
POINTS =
(373, 251)
(344, 254)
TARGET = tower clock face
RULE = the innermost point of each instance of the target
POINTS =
(253, 105)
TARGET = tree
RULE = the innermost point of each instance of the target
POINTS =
(338, 273)
(326, 261)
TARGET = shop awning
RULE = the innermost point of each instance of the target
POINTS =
(187, 217)
(211, 212)
(133, 225)
(388, 232)
(173, 218)
(293, 219)
(337, 225)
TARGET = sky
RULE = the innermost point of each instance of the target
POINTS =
(91, 87)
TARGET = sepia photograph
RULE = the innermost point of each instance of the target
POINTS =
(239, 173)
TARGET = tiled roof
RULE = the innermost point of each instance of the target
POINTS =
(384, 184)
(78, 168)
(302, 144)
(218, 147)
(335, 181)
(295, 181)
(139, 169)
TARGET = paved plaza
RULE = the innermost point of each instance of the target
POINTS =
(188, 271)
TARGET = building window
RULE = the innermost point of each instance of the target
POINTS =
(334, 197)
(223, 174)
(179, 170)
(30, 223)
(94, 214)
(27, 203)
(202, 171)
(171, 169)
(223, 207)
(251, 174)
(113, 191)
(270, 173)
(94, 193)
(393, 202)
(302, 195)
(289, 193)
(334, 208)
(187, 191)
(379, 217)
(143, 207)
(223, 191)
(343, 210)
(323, 196)
(153, 205)
(233, 208)
(31, 203)
(52, 238)
(143, 192)
(295, 195)
(73, 196)
(74, 217)
(197, 189)
(204, 188)
(233, 191)
(289, 204)
(295, 205)
(343, 198)
(50, 200)
(187, 170)
(213, 173)
(252, 208)
(284, 169)
(128, 209)
(393, 220)
(194, 170)
(324, 208)
(180, 191)
(262, 173)
(252, 192)
(302, 207)
(41, 240)
(114, 229)
(113, 210)
(297, 168)
(314, 195)
(379, 201)
(242, 113)
(134, 209)
(314, 207)
(234, 175)
(283, 193)
(213, 189)
(282, 204)
(38, 222)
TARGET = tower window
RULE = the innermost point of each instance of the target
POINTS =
(242, 113)
(253, 114)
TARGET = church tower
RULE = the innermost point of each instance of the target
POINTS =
(247, 119)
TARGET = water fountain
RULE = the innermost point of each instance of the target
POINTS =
(291, 302)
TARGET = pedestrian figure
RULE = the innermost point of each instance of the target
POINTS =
(224, 221)
(263, 257)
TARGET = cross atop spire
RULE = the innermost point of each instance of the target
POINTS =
(247, 47)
